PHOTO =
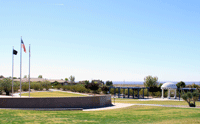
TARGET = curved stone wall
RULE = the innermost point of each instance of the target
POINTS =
(57, 102)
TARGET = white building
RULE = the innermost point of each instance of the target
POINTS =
(169, 86)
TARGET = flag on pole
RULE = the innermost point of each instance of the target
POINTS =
(22, 43)
(15, 52)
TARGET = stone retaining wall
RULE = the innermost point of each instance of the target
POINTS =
(57, 102)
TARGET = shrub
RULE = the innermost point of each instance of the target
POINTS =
(98, 91)
(86, 82)
(6, 85)
(105, 89)
(41, 87)
(16, 86)
(46, 84)
(58, 86)
(64, 87)
(25, 86)
(36, 86)
(112, 91)
(94, 87)
(76, 88)
(55, 83)
(189, 97)
(1, 88)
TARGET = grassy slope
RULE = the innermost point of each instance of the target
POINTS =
(133, 114)
(52, 94)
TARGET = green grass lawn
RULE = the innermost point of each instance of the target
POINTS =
(133, 114)
(136, 101)
(52, 94)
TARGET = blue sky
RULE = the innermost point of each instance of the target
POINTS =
(100, 39)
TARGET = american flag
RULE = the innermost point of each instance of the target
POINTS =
(22, 43)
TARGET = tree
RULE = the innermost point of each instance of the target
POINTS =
(180, 84)
(40, 76)
(25, 76)
(6, 85)
(93, 86)
(105, 89)
(189, 97)
(72, 79)
(66, 79)
(150, 81)
(109, 83)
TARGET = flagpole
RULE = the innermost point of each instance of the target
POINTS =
(20, 66)
(29, 68)
(12, 69)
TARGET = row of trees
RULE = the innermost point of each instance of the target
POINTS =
(6, 86)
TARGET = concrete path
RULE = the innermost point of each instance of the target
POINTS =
(115, 106)
(160, 99)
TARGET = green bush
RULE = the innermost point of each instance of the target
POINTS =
(16, 86)
(36, 86)
(1, 87)
(46, 84)
(6, 85)
(55, 83)
(105, 89)
(112, 91)
(41, 87)
(25, 86)
(64, 87)
(189, 97)
(58, 86)
(94, 87)
(76, 88)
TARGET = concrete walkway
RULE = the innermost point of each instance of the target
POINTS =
(115, 106)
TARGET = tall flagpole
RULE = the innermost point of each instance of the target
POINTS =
(20, 67)
(12, 69)
(29, 68)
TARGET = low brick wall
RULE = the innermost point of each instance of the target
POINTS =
(57, 102)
